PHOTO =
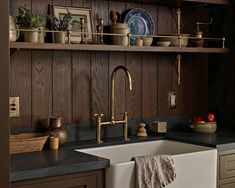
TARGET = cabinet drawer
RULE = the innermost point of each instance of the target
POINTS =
(227, 166)
(90, 179)
(230, 185)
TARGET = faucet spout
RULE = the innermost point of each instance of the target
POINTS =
(112, 87)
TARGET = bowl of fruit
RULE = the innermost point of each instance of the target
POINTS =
(204, 124)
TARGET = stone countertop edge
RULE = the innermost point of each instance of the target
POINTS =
(68, 162)
(41, 164)
(26, 166)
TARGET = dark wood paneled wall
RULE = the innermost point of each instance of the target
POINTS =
(75, 85)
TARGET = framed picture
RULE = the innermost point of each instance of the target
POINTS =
(77, 13)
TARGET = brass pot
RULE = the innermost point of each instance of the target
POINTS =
(31, 36)
(60, 37)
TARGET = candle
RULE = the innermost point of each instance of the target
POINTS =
(54, 143)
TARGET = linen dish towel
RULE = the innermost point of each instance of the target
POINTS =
(154, 171)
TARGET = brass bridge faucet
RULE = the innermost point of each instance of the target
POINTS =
(113, 122)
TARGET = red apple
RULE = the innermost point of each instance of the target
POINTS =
(198, 119)
(210, 117)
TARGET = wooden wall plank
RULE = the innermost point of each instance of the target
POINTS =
(99, 84)
(62, 89)
(20, 82)
(133, 98)
(149, 75)
(164, 80)
(166, 24)
(149, 86)
(41, 87)
(81, 81)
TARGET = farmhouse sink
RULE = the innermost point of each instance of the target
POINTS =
(195, 165)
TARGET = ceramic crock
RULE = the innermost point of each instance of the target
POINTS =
(13, 34)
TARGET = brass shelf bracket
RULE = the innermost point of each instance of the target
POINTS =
(179, 58)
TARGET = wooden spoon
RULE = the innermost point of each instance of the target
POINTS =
(113, 16)
(118, 17)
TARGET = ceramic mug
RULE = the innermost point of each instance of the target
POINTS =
(13, 35)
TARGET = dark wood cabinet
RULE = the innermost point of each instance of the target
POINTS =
(91, 179)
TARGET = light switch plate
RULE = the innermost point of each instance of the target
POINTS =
(172, 99)
(14, 106)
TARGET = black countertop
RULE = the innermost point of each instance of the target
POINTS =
(47, 163)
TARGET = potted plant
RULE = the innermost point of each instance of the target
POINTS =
(61, 25)
(32, 21)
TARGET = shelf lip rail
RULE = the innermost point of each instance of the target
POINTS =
(182, 35)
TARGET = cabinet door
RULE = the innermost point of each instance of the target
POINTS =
(93, 179)
(227, 166)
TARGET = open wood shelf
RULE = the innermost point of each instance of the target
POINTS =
(220, 2)
(181, 2)
(114, 48)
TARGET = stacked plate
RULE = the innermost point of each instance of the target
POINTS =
(140, 23)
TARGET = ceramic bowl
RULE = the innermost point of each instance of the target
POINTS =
(207, 127)
(164, 43)
(147, 41)
(176, 40)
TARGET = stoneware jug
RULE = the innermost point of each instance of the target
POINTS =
(56, 129)
(13, 35)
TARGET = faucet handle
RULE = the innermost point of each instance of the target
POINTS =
(124, 113)
(99, 115)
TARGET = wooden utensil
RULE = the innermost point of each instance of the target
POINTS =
(113, 16)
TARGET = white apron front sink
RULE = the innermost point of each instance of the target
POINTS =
(195, 165)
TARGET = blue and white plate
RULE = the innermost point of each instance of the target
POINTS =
(140, 23)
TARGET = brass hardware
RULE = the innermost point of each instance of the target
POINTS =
(129, 38)
(178, 68)
(69, 36)
(100, 30)
(178, 20)
(112, 121)
(203, 23)
(14, 106)
(223, 45)
(83, 29)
